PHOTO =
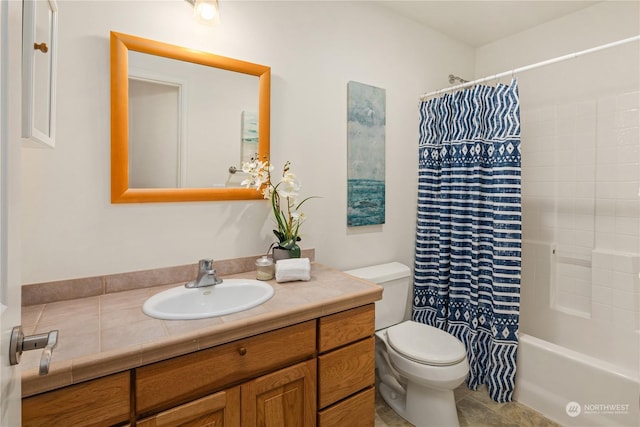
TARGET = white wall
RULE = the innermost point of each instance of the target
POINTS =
(602, 23)
(581, 175)
(70, 229)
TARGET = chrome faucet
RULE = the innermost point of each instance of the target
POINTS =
(206, 275)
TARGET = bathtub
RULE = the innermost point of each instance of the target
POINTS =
(574, 389)
(576, 369)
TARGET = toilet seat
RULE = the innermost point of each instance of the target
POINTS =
(425, 344)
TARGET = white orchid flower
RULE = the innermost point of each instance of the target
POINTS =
(283, 197)
(298, 217)
(266, 192)
(288, 190)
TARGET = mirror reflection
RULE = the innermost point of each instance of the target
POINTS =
(180, 119)
(186, 123)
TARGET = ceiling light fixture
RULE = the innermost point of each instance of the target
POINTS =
(206, 11)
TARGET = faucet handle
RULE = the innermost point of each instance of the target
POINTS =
(206, 275)
(205, 264)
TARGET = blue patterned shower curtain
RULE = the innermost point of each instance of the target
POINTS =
(468, 244)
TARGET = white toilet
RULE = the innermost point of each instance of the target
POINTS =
(418, 365)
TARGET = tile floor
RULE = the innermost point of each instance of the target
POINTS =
(475, 409)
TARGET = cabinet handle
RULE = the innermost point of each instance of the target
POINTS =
(242, 351)
(42, 47)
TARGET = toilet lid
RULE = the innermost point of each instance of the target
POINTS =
(425, 344)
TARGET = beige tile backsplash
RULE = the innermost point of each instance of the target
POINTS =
(61, 290)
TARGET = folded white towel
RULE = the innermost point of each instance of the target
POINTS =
(288, 270)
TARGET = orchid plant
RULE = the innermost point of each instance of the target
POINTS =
(284, 198)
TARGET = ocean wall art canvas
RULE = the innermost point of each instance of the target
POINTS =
(366, 110)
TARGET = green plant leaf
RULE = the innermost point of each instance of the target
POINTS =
(280, 236)
(288, 244)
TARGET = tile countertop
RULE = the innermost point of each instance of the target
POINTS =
(105, 334)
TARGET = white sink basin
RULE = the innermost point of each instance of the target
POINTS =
(230, 296)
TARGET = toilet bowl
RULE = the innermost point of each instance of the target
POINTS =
(418, 366)
(421, 390)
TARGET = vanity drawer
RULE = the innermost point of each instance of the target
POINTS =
(358, 410)
(345, 371)
(178, 380)
(218, 409)
(103, 401)
(345, 327)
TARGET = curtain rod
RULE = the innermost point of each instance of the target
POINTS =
(531, 67)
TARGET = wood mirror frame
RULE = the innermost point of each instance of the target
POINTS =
(120, 191)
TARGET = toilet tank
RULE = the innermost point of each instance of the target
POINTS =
(395, 279)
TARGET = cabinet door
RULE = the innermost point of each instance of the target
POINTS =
(346, 371)
(221, 409)
(285, 398)
(346, 327)
(104, 401)
(39, 52)
(358, 410)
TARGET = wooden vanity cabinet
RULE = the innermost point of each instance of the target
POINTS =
(319, 372)
(275, 373)
(284, 398)
(346, 368)
(99, 402)
(165, 384)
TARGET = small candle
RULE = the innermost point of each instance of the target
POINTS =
(264, 268)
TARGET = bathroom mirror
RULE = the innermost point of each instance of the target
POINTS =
(180, 118)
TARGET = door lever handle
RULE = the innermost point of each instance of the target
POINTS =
(20, 343)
